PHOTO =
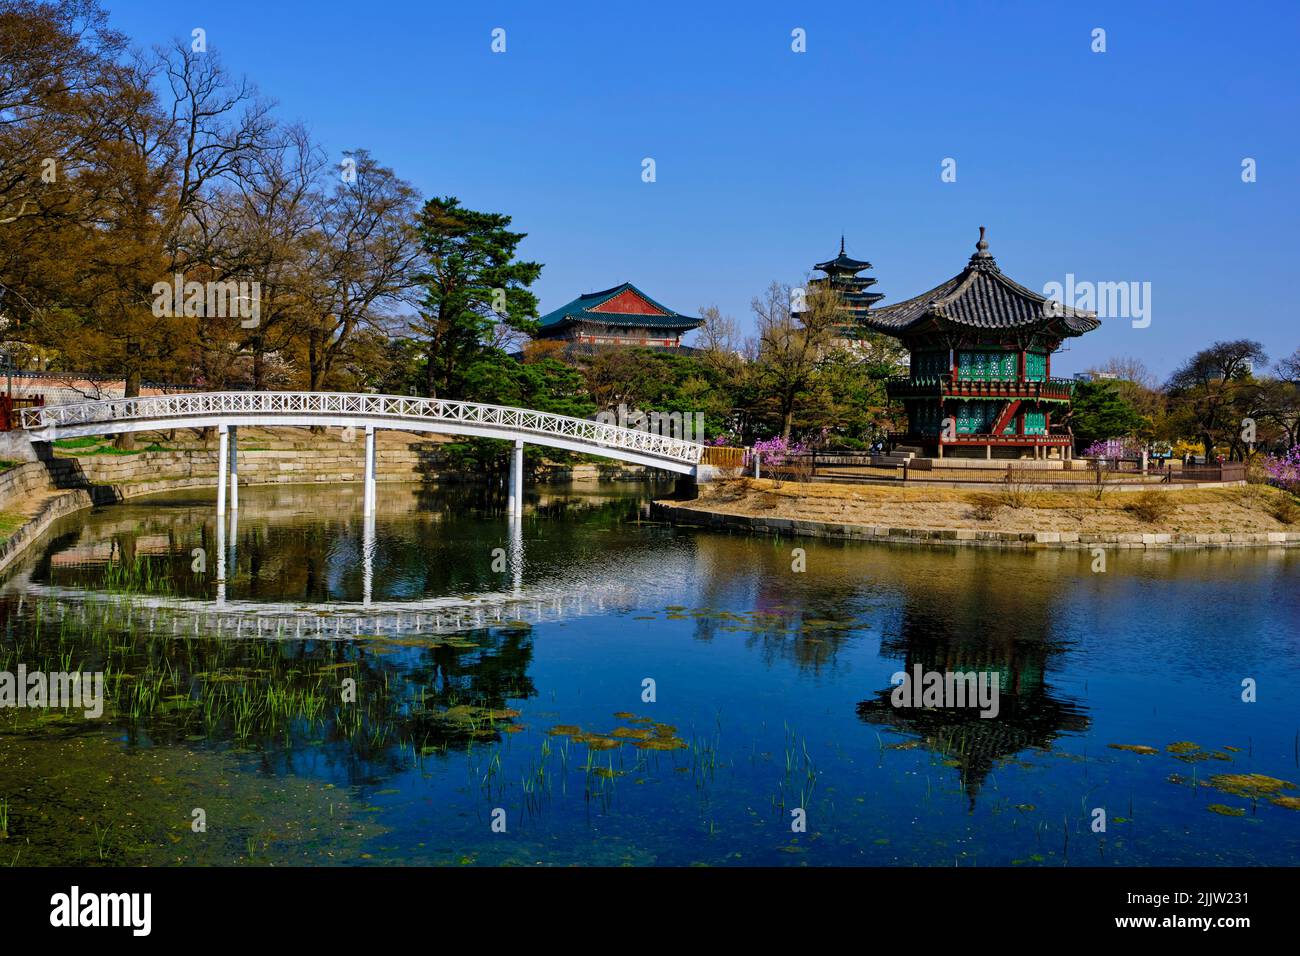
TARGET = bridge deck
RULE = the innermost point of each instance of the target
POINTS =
(342, 409)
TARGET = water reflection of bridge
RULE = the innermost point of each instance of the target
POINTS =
(335, 620)
(229, 605)
(550, 599)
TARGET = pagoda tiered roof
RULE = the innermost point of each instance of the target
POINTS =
(843, 263)
(842, 277)
(980, 297)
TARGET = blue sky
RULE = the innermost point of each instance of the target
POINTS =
(1115, 166)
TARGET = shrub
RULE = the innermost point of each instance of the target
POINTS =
(1015, 493)
(1100, 475)
(1150, 506)
(984, 506)
(1286, 510)
(1251, 496)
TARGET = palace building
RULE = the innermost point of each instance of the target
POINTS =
(623, 315)
(981, 348)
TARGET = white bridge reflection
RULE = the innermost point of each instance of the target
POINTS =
(336, 620)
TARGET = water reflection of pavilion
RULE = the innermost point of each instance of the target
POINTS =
(999, 630)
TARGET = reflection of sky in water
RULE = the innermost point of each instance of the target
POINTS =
(774, 682)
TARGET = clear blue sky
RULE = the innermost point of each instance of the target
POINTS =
(1120, 166)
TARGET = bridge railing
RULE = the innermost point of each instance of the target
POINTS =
(395, 407)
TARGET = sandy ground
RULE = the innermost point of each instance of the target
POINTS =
(1210, 511)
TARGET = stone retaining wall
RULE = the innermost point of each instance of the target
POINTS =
(693, 517)
(22, 482)
(50, 511)
(293, 465)
(256, 466)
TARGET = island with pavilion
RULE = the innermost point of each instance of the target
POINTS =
(621, 316)
(980, 381)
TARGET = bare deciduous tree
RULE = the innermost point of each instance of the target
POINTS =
(792, 348)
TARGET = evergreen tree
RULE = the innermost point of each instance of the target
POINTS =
(1099, 411)
(476, 293)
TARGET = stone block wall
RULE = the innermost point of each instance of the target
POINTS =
(22, 482)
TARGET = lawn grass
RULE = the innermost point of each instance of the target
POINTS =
(98, 445)
(10, 521)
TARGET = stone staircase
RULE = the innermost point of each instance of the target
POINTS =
(900, 456)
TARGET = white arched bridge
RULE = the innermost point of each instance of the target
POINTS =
(226, 411)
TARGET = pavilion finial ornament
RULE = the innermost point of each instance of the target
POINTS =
(982, 258)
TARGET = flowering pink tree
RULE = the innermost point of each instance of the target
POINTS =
(778, 449)
(1114, 448)
(1284, 470)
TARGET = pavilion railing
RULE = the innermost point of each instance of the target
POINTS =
(1052, 439)
(396, 408)
(1052, 389)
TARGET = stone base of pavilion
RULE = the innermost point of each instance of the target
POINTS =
(929, 454)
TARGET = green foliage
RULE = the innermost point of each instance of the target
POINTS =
(474, 287)
(84, 447)
(547, 385)
(1099, 412)
(846, 402)
(1214, 390)
(11, 521)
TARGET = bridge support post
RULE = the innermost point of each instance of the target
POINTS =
(515, 494)
(223, 455)
(234, 468)
(368, 499)
(367, 558)
(221, 561)
(517, 553)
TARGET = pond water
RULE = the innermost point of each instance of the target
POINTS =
(402, 693)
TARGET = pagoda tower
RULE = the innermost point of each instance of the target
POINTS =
(841, 275)
(980, 382)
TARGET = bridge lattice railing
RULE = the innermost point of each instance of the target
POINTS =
(396, 408)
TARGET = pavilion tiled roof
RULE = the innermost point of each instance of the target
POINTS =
(624, 305)
(980, 297)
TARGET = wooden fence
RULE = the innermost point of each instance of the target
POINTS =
(9, 404)
(839, 466)
(722, 457)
